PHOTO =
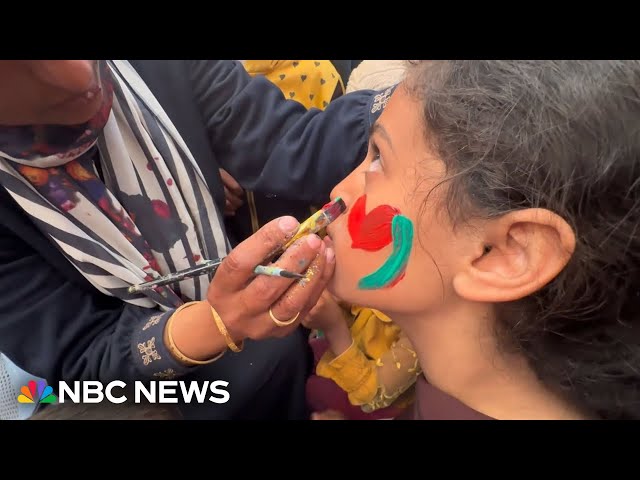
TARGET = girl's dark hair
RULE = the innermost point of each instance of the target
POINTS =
(561, 135)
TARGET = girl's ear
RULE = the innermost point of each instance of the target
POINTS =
(515, 256)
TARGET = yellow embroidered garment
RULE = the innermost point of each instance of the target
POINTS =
(313, 83)
(379, 368)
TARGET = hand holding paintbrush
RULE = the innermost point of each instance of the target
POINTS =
(240, 304)
(313, 224)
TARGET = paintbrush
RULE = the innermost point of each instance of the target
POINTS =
(318, 220)
(273, 271)
(205, 268)
(313, 224)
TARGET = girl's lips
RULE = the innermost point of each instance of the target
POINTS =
(328, 240)
(328, 230)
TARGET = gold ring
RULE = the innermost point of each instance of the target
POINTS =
(281, 323)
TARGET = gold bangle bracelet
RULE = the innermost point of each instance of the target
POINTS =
(223, 330)
(173, 349)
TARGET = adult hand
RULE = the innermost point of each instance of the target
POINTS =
(244, 300)
(233, 193)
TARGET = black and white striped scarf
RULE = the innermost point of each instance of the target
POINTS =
(150, 214)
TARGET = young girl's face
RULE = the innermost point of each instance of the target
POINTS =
(395, 247)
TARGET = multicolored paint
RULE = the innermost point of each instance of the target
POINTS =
(374, 231)
(273, 271)
(393, 269)
(319, 220)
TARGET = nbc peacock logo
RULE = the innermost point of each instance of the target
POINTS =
(37, 393)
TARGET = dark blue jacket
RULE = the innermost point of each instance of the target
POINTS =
(54, 324)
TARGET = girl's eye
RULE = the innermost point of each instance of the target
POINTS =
(376, 164)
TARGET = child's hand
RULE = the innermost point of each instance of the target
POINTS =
(325, 314)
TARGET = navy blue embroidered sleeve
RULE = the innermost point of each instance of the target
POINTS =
(273, 145)
(53, 328)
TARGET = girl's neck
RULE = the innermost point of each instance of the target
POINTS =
(459, 355)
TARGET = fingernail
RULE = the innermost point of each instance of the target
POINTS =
(331, 255)
(288, 224)
(314, 241)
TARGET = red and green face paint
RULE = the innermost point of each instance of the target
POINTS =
(375, 230)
